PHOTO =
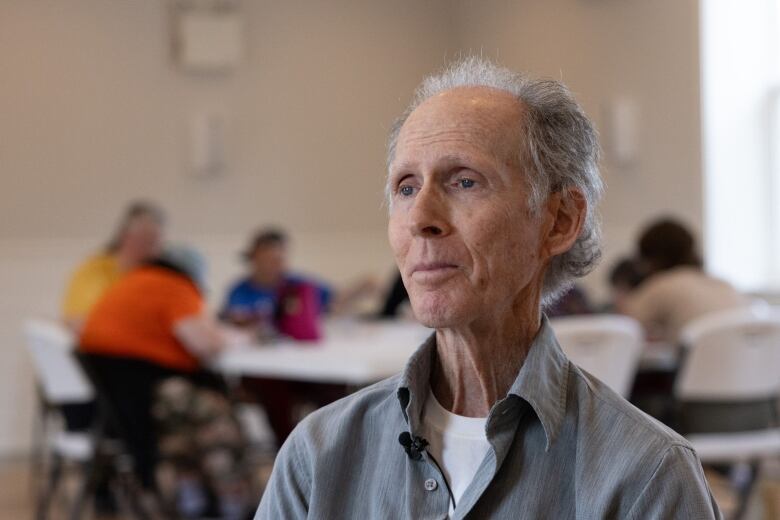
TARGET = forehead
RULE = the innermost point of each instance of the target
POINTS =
(467, 120)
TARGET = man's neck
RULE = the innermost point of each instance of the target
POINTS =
(477, 365)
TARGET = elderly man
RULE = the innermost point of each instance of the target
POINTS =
(492, 183)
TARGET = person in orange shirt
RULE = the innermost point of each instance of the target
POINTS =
(155, 314)
(137, 239)
(144, 344)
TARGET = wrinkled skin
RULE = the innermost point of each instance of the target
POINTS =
(471, 251)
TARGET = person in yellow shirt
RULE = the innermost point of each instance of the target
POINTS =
(137, 239)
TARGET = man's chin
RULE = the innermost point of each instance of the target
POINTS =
(437, 317)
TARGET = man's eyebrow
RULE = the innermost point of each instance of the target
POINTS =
(446, 160)
(452, 158)
(397, 168)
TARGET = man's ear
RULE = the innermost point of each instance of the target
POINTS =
(565, 216)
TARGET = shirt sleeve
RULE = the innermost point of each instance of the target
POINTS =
(85, 288)
(677, 489)
(287, 493)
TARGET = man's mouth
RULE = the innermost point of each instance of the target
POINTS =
(433, 272)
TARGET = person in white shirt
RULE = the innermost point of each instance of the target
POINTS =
(676, 289)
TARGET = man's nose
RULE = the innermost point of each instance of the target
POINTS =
(429, 216)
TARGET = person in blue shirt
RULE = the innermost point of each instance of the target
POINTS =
(273, 303)
(258, 300)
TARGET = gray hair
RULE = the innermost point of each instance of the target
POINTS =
(136, 210)
(560, 152)
(188, 261)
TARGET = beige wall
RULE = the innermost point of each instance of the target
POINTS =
(92, 113)
(95, 113)
(606, 50)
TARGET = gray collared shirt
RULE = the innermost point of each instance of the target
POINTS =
(562, 446)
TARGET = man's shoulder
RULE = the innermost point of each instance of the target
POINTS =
(357, 407)
(634, 453)
(352, 420)
(608, 419)
(336, 453)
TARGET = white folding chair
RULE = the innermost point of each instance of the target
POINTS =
(60, 377)
(733, 357)
(60, 381)
(607, 346)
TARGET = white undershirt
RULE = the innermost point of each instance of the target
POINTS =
(458, 443)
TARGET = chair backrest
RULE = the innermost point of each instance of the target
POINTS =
(59, 374)
(731, 356)
(607, 346)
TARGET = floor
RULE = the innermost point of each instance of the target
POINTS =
(15, 491)
(18, 492)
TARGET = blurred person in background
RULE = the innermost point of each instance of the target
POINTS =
(396, 300)
(145, 344)
(271, 302)
(259, 300)
(676, 290)
(572, 302)
(137, 239)
(624, 277)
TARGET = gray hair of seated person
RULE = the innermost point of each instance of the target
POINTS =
(187, 261)
(560, 152)
(134, 211)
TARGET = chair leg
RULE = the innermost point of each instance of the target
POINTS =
(50, 487)
(89, 473)
(745, 489)
(36, 456)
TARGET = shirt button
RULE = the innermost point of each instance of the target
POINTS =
(431, 485)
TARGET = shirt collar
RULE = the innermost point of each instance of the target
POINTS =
(543, 379)
(541, 382)
(413, 387)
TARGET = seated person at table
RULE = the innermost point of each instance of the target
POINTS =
(676, 290)
(395, 300)
(271, 301)
(257, 301)
(136, 240)
(624, 277)
(144, 344)
(574, 301)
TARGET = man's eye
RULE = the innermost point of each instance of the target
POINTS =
(466, 183)
(406, 190)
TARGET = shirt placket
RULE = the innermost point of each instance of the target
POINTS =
(427, 494)
(502, 425)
